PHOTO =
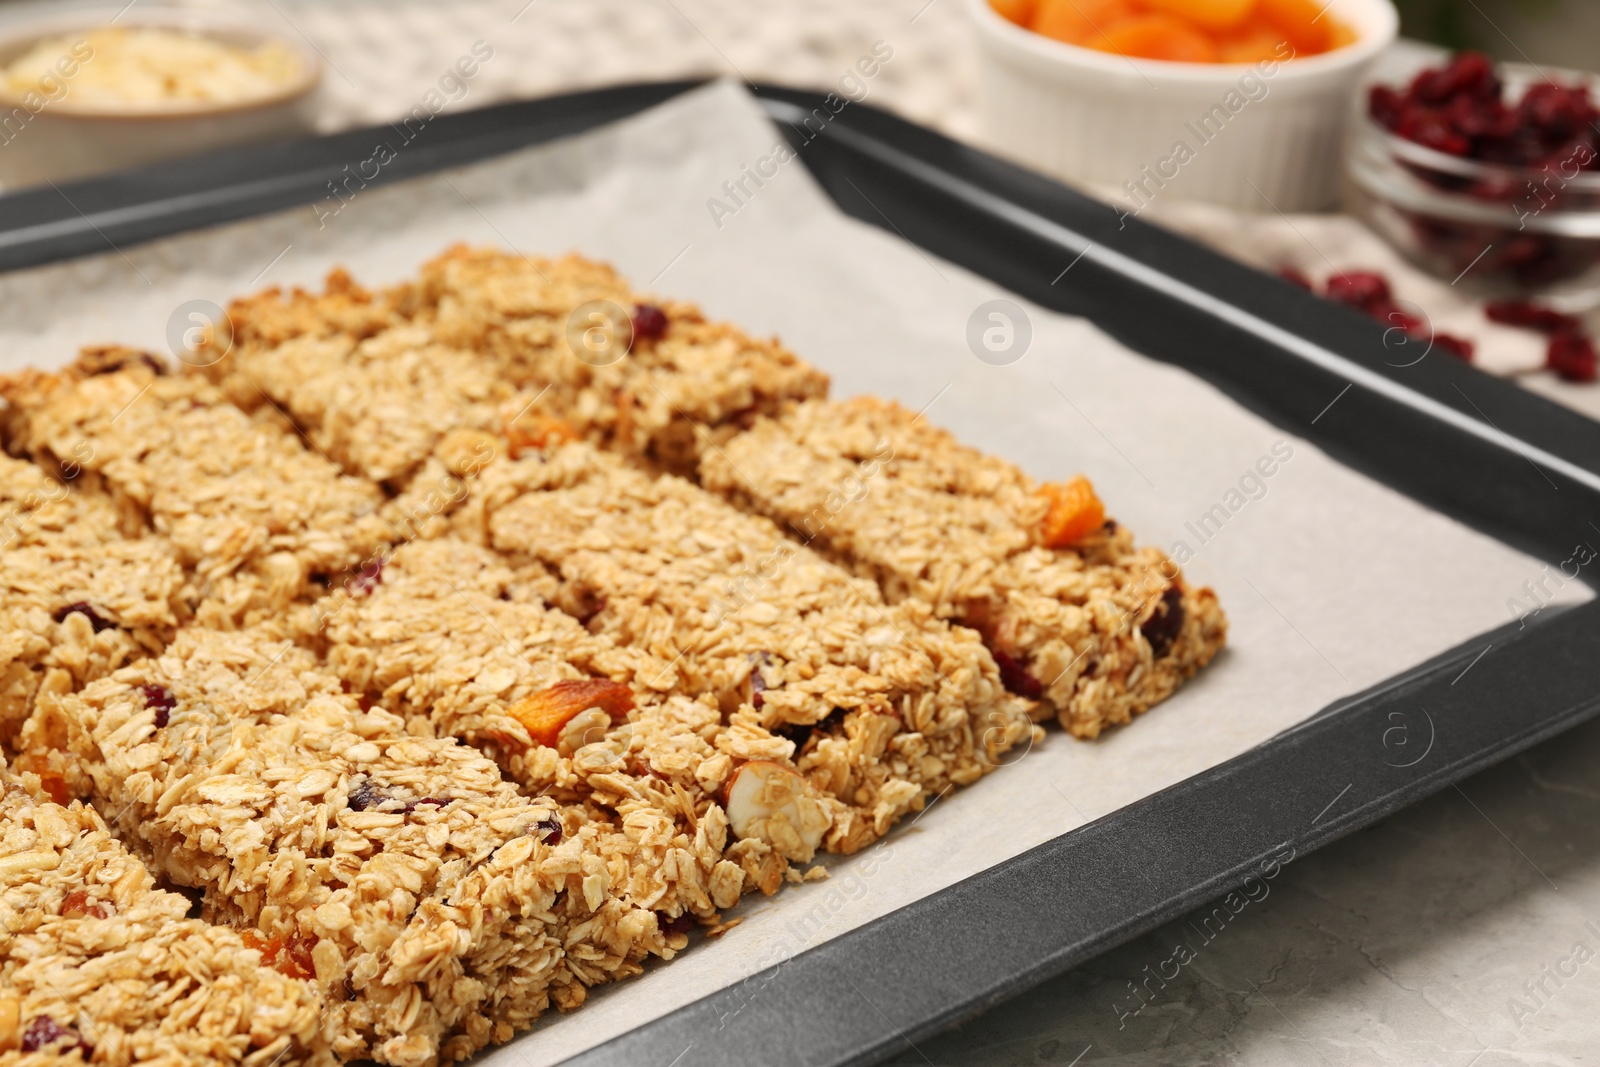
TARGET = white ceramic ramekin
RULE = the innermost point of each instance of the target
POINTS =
(1252, 136)
(56, 140)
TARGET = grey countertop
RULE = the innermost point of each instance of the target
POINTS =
(1464, 931)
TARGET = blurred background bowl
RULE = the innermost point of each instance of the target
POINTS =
(1113, 121)
(62, 140)
(1498, 230)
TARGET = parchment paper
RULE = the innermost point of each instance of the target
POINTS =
(1332, 582)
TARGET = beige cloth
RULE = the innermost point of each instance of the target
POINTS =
(384, 56)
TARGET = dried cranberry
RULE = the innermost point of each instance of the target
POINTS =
(1572, 357)
(1361, 289)
(1385, 104)
(649, 322)
(1015, 677)
(1556, 111)
(45, 1033)
(367, 579)
(758, 684)
(1459, 347)
(797, 732)
(1297, 277)
(1163, 627)
(1433, 131)
(1527, 314)
(82, 607)
(680, 924)
(1481, 121)
(367, 795)
(161, 700)
(549, 830)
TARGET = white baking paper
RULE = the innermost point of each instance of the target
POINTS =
(1331, 581)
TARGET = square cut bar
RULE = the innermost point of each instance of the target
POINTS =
(376, 405)
(452, 638)
(77, 598)
(1100, 630)
(446, 635)
(94, 958)
(437, 907)
(233, 493)
(651, 380)
(878, 706)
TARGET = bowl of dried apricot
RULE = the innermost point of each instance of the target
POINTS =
(1237, 102)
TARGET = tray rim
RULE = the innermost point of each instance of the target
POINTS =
(951, 982)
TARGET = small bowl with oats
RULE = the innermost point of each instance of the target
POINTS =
(100, 91)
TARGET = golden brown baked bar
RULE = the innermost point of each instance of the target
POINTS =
(230, 492)
(655, 380)
(437, 907)
(879, 706)
(563, 325)
(376, 406)
(1100, 630)
(94, 960)
(78, 599)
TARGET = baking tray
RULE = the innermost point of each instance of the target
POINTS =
(1474, 447)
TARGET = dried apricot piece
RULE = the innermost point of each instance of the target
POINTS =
(1301, 22)
(1156, 36)
(1078, 21)
(53, 783)
(1209, 14)
(538, 432)
(545, 713)
(289, 956)
(1018, 11)
(1252, 44)
(1074, 512)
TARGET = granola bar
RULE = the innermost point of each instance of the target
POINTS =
(446, 636)
(654, 380)
(78, 599)
(230, 492)
(377, 406)
(1099, 629)
(95, 959)
(437, 908)
(878, 706)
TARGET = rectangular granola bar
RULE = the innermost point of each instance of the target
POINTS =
(437, 907)
(230, 492)
(78, 599)
(647, 379)
(94, 958)
(878, 706)
(1081, 618)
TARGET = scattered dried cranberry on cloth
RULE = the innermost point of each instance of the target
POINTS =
(1307, 249)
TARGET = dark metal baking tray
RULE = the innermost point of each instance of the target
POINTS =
(1482, 450)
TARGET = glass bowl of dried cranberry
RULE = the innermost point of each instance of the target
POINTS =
(1488, 175)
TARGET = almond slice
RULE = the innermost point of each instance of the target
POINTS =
(544, 713)
(773, 803)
